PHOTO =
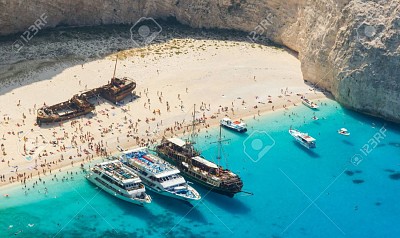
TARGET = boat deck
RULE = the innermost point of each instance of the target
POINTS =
(150, 163)
(117, 171)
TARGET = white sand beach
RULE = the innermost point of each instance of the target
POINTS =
(246, 79)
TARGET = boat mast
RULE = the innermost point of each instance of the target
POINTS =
(219, 153)
(219, 149)
(193, 124)
(115, 67)
(191, 139)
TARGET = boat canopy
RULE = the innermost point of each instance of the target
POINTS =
(131, 181)
(177, 141)
(205, 162)
(166, 173)
(172, 182)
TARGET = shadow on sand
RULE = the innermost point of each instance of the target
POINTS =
(51, 49)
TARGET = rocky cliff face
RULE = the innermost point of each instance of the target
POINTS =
(349, 47)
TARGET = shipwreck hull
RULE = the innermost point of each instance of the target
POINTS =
(79, 105)
(116, 98)
(55, 113)
(118, 89)
(51, 119)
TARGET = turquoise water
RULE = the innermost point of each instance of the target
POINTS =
(297, 192)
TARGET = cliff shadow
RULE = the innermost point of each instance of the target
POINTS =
(55, 50)
(373, 121)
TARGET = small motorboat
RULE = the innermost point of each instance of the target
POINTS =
(315, 118)
(344, 131)
(233, 125)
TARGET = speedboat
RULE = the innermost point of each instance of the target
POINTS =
(233, 125)
(303, 138)
(309, 103)
(114, 178)
(344, 131)
(158, 175)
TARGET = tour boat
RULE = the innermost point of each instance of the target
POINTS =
(233, 125)
(344, 131)
(198, 169)
(303, 138)
(158, 175)
(117, 180)
(309, 103)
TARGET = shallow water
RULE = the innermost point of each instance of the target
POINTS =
(297, 192)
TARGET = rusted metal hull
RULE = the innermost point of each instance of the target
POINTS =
(50, 119)
(79, 105)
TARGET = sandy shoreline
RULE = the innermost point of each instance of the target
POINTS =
(211, 74)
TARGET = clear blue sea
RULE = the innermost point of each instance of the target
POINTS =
(327, 192)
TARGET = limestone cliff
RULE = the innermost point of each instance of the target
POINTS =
(349, 47)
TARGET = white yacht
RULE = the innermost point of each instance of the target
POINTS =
(344, 131)
(303, 138)
(309, 103)
(158, 175)
(117, 180)
(233, 125)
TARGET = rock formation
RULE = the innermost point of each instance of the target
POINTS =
(348, 47)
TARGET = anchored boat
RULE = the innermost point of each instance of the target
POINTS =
(158, 175)
(344, 131)
(309, 103)
(198, 169)
(114, 178)
(233, 125)
(303, 138)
